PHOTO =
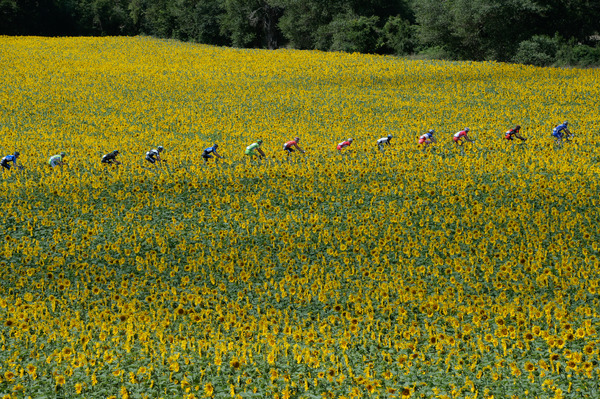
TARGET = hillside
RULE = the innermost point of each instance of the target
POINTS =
(443, 271)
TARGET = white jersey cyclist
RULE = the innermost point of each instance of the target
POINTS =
(384, 141)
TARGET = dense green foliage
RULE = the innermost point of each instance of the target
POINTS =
(502, 30)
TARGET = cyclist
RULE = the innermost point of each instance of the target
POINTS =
(250, 150)
(5, 162)
(559, 132)
(208, 153)
(427, 138)
(384, 141)
(57, 160)
(290, 145)
(111, 158)
(154, 155)
(514, 132)
(344, 144)
(462, 135)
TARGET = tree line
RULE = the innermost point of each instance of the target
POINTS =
(539, 32)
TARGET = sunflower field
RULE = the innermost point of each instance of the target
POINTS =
(436, 272)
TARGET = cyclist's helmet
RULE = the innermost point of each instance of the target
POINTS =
(160, 148)
(350, 140)
(565, 123)
(63, 154)
(467, 129)
(259, 142)
(431, 131)
(390, 136)
(17, 153)
(518, 127)
(115, 152)
(215, 146)
(297, 139)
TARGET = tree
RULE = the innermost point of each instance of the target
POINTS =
(200, 21)
(383, 9)
(398, 35)
(434, 24)
(571, 19)
(540, 50)
(350, 33)
(306, 23)
(159, 18)
(252, 23)
(266, 17)
(476, 29)
(9, 13)
(104, 17)
(302, 20)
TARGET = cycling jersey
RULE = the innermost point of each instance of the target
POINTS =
(55, 160)
(152, 155)
(6, 161)
(460, 134)
(510, 133)
(382, 142)
(289, 146)
(250, 149)
(208, 152)
(109, 158)
(343, 144)
(558, 130)
(425, 137)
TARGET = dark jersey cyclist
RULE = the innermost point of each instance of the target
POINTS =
(6, 161)
(153, 155)
(514, 132)
(111, 158)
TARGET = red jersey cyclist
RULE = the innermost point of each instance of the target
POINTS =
(514, 132)
(462, 135)
(344, 144)
(290, 145)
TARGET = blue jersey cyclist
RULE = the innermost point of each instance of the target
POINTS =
(208, 153)
(6, 161)
(153, 155)
(559, 132)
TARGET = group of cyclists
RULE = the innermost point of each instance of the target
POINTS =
(560, 132)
